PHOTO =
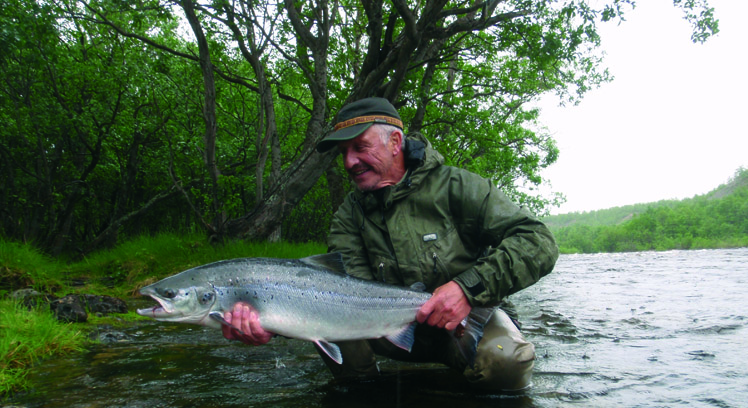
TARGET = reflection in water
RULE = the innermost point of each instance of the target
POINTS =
(641, 329)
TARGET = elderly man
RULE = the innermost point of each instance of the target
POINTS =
(413, 219)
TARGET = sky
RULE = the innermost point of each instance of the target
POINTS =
(671, 125)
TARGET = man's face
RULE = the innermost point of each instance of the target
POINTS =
(370, 162)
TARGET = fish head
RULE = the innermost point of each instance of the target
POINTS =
(178, 303)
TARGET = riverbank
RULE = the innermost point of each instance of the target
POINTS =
(28, 336)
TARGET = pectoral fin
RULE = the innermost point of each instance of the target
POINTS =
(219, 318)
(331, 349)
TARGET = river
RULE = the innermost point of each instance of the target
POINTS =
(646, 329)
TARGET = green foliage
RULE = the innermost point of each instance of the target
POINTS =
(102, 103)
(715, 220)
(310, 219)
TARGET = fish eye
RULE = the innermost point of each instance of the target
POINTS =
(167, 293)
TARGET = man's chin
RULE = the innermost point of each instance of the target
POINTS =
(366, 187)
(364, 184)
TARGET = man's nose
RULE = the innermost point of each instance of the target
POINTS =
(349, 159)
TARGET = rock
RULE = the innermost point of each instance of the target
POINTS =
(69, 309)
(105, 304)
(31, 299)
(24, 293)
(107, 335)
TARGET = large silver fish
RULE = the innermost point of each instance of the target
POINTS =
(311, 299)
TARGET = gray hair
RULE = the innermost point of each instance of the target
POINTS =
(386, 130)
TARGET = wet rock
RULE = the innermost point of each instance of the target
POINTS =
(31, 299)
(109, 335)
(105, 304)
(69, 309)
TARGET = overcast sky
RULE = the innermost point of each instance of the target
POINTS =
(671, 125)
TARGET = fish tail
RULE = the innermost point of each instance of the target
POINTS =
(470, 333)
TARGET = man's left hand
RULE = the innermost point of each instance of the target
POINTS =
(447, 307)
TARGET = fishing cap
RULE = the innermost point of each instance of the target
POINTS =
(354, 118)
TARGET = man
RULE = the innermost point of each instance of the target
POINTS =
(413, 219)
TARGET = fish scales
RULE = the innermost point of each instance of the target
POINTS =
(310, 299)
(308, 302)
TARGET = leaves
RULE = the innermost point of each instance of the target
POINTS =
(103, 105)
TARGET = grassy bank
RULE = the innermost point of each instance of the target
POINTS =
(28, 336)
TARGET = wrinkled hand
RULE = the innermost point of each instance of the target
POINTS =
(447, 307)
(245, 318)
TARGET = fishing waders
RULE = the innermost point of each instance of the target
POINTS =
(503, 362)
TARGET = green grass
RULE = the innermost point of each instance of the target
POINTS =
(147, 259)
(26, 337)
(23, 266)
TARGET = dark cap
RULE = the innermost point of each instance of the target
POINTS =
(354, 118)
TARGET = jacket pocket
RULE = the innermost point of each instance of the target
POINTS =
(434, 269)
(386, 270)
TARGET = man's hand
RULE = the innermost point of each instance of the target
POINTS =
(447, 307)
(245, 318)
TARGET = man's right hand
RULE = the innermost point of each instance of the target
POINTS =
(245, 318)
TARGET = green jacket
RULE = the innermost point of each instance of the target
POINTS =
(442, 223)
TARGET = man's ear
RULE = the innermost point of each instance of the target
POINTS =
(396, 139)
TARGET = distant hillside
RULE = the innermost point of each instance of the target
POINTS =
(718, 219)
(618, 215)
(608, 216)
(737, 182)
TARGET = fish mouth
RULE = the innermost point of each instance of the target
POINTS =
(164, 308)
(154, 312)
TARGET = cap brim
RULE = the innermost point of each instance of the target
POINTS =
(348, 133)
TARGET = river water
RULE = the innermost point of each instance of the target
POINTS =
(646, 329)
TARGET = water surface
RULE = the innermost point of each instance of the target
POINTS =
(648, 329)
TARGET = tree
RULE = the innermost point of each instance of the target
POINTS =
(270, 78)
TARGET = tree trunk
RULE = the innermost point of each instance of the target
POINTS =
(278, 203)
(209, 115)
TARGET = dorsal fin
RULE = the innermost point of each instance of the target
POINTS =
(332, 261)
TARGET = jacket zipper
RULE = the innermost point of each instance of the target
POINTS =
(381, 270)
(436, 270)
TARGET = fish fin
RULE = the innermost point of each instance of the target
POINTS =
(331, 349)
(332, 261)
(219, 318)
(418, 287)
(404, 338)
(471, 333)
